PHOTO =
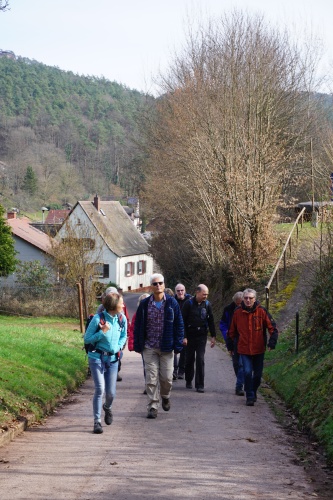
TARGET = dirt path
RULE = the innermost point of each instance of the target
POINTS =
(209, 446)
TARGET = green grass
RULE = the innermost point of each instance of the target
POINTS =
(304, 381)
(41, 360)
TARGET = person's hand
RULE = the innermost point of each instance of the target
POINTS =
(213, 342)
(230, 353)
(184, 341)
(105, 326)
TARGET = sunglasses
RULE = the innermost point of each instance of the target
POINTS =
(157, 283)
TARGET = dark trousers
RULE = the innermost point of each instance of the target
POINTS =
(238, 369)
(179, 362)
(195, 353)
(253, 367)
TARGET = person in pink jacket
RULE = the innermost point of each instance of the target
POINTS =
(130, 333)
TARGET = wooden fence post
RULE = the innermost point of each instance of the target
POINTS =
(79, 290)
(84, 298)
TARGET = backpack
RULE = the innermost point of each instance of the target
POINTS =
(205, 310)
(91, 347)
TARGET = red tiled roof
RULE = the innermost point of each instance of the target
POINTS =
(22, 229)
(56, 216)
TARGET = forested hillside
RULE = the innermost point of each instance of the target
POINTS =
(64, 137)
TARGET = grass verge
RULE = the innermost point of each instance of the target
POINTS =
(304, 381)
(41, 361)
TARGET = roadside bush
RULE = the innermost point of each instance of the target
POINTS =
(319, 333)
(39, 301)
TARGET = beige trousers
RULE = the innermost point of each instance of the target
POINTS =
(159, 369)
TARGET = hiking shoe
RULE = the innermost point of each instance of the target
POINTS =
(239, 392)
(98, 428)
(108, 417)
(255, 397)
(166, 404)
(200, 389)
(174, 376)
(181, 376)
(189, 385)
(152, 413)
(249, 402)
(119, 378)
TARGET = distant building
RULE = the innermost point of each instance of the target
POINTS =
(122, 253)
(8, 54)
(56, 216)
(30, 243)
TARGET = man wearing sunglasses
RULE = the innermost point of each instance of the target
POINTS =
(158, 332)
(249, 324)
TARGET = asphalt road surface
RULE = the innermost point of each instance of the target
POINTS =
(208, 446)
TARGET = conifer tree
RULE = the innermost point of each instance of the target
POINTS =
(30, 181)
(7, 250)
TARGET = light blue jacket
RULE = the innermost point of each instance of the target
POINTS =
(111, 341)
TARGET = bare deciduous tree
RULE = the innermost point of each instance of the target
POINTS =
(4, 5)
(229, 127)
(75, 257)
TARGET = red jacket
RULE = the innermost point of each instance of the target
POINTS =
(130, 334)
(248, 330)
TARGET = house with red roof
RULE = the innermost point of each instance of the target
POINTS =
(30, 243)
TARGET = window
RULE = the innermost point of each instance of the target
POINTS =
(141, 267)
(102, 270)
(129, 268)
(84, 243)
(106, 272)
(88, 244)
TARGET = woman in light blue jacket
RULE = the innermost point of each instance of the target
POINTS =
(107, 336)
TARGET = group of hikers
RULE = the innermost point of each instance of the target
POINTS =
(170, 331)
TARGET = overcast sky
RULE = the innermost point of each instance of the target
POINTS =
(129, 41)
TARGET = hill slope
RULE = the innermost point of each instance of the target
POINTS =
(77, 133)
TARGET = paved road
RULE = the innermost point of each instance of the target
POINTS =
(209, 446)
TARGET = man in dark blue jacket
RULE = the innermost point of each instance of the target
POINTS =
(225, 323)
(158, 332)
(198, 319)
(179, 359)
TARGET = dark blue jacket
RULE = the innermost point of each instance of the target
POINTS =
(173, 330)
(225, 321)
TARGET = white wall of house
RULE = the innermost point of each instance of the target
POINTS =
(134, 271)
(129, 273)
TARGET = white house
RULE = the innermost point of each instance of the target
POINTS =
(114, 242)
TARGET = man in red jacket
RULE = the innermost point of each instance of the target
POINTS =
(248, 326)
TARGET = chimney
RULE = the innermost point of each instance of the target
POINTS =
(11, 215)
(96, 203)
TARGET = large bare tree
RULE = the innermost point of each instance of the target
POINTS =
(229, 126)
(4, 5)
